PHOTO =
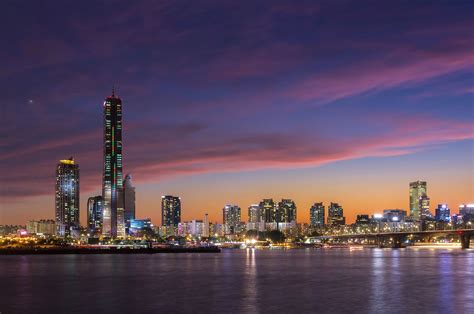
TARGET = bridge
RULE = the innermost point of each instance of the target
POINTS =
(396, 239)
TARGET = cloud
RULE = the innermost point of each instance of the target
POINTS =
(220, 86)
(153, 154)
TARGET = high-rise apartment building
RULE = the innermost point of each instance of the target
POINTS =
(286, 211)
(170, 211)
(417, 190)
(67, 197)
(316, 214)
(336, 215)
(95, 208)
(112, 179)
(254, 213)
(231, 219)
(269, 210)
(205, 227)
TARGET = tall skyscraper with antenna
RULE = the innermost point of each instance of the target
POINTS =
(112, 179)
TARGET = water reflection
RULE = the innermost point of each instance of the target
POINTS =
(242, 281)
(378, 282)
(250, 286)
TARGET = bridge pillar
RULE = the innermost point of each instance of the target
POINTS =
(465, 240)
(397, 242)
(379, 241)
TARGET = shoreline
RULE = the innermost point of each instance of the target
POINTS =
(56, 251)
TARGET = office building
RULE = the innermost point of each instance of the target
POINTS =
(231, 219)
(316, 215)
(67, 197)
(442, 213)
(112, 179)
(417, 190)
(336, 215)
(128, 200)
(95, 208)
(170, 211)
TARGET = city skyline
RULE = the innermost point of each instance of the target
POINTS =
(269, 108)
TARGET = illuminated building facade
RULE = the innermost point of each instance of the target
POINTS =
(467, 212)
(417, 190)
(256, 218)
(269, 210)
(128, 200)
(394, 215)
(424, 206)
(45, 227)
(95, 208)
(67, 197)
(112, 180)
(316, 215)
(231, 219)
(442, 213)
(170, 211)
(195, 228)
(205, 227)
(336, 215)
(254, 214)
(286, 211)
(362, 220)
(140, 224)
(140, 227)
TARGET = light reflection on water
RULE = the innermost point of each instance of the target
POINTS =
(242, 281)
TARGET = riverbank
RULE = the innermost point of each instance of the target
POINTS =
(106, 250)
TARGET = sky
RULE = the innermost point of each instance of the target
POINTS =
(236, 101)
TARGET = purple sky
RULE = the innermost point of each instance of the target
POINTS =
(234, 101)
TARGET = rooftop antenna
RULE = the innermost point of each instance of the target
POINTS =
(113, 91)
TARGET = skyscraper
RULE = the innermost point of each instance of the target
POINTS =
(442, 213)
(231, 219)
(269, 210)
(128, 200)
(417, 190)
(67, 196)
(94, 215)
(316, 213)
(254, 213)
(336, 215)
(424, 206)
(256, 218)
(170, 211)
(286, 211)
(112, 180)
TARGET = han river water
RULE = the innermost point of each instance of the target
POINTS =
(242, 281)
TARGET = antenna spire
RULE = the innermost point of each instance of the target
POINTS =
(113, 91)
